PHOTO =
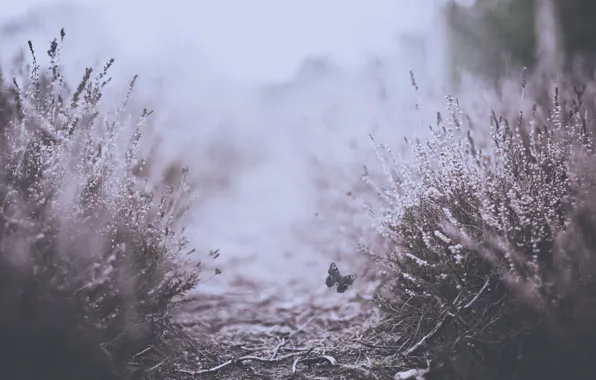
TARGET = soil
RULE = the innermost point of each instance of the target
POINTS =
(255, 335)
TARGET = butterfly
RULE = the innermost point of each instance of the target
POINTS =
(343, 282)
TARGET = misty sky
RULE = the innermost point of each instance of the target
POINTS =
(259, 40)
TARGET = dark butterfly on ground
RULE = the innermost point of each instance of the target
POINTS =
(335, 278)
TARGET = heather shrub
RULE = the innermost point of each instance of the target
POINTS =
(489, 249)
(91, 261)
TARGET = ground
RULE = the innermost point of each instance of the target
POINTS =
(248, 339)
(298, 330)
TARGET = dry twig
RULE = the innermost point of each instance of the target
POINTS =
(435, 329)
(241, 359)
(283, 341)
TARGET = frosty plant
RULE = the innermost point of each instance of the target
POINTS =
(478, 256)
(90, 264)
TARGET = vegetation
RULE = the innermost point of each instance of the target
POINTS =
(490, 250)
(91, 263)
(487, 246)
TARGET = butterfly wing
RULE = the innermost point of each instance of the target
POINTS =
(333, 270)
(345, 282)
(330, 281)
(334, 275)
(349, 279)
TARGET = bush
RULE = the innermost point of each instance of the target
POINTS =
(490, 255)
(90, 264)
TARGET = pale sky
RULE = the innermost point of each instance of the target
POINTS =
(260, 40)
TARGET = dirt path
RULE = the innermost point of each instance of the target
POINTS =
(277, 312)
(316, 337)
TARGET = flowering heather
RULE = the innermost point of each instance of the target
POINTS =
(89, 259)
(489, 254)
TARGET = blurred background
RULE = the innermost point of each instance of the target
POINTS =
(494, 37)
(270, 104)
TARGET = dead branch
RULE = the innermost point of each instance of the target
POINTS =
(266, 360)
(428, 336)
(158, 364)
(142, 352)
(283, 341)
(241, 359)
(371, 345)
(297, 348)
(469, 304)
(302, 326)
(213, 369)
